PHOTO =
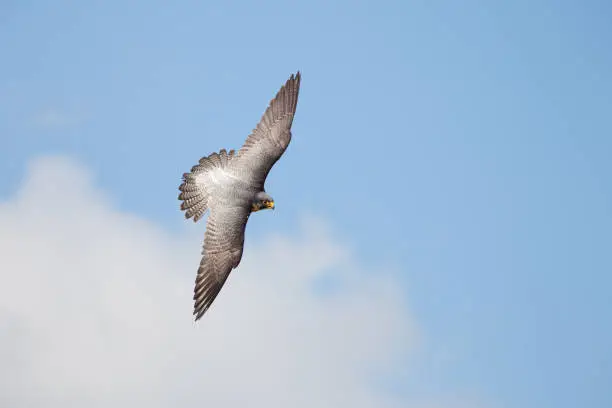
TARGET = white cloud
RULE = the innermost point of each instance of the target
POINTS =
(95, 310)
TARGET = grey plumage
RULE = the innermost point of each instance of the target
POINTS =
(231, 185)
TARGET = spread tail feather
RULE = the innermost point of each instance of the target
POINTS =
(194, 195)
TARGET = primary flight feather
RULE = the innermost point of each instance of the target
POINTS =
(231, 186)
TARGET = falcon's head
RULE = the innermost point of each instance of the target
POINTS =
(262, 201)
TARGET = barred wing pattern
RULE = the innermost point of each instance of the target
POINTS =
(223, 246)
(269, 140)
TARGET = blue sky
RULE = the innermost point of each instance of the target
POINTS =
(464, 144)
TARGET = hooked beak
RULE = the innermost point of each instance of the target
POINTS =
(271, 205)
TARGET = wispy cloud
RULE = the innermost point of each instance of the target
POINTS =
(52, 118)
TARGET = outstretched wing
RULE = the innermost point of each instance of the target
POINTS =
(269, 140)
(223, 245)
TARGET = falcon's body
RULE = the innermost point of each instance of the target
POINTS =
(231, 186)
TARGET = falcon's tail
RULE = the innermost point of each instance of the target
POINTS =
(193, 192)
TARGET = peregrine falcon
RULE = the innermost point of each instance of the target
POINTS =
(231, 186)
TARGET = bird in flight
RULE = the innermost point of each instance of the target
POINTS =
(231, 186)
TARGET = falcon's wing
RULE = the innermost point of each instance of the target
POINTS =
(223, 245)
(268, 141)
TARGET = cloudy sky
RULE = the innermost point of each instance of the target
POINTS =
(443, 230)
